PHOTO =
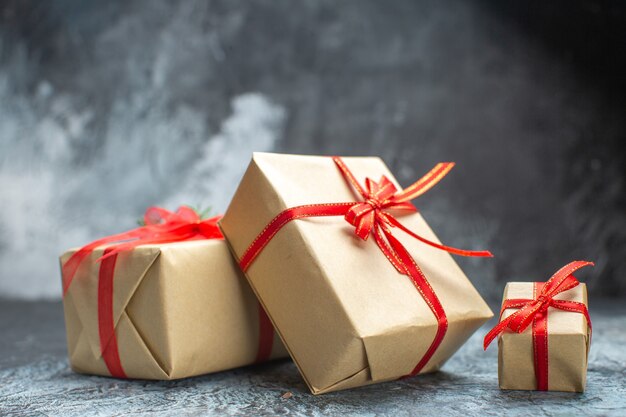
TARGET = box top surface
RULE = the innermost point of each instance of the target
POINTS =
(559, 321)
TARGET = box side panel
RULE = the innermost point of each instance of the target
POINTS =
(291, 284)
(132, 270)
(211, 315)
(567, 355)
(128, 273)
(80, 355)
(517, 366)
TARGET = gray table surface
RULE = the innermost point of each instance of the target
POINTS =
(35, 380)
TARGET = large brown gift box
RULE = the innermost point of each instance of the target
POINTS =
(179, 310)
(346, 316)
(568, 342)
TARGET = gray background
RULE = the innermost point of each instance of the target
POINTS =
(109, 107)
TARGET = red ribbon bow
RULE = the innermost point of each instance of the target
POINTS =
(161, 226)
(372, 217)
(535, 311)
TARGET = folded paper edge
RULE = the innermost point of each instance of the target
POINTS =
(345, 382)
(155, 255)
(159, 362)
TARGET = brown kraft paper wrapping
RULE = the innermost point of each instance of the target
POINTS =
(346, 316)
(180, 309)
(568, 345)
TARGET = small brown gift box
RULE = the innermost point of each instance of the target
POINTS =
(179, 310)
(346, 316)
(568, 345)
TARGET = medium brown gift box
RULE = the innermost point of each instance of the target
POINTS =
(346, 316)
(568, 345)
(179, 309)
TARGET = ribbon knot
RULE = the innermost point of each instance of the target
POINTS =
(365, 215)
(374, 203)
(542, 300)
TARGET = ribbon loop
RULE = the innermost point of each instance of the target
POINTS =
(369, 214)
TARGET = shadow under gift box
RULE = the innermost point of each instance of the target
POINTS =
(179, 310)
(346, 316)
(568, 345)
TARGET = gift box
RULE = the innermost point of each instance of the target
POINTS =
(544, 334)
(350, 310)
(162, 310)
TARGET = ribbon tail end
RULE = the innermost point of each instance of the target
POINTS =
(486, 344)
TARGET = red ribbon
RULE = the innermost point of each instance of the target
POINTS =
(535, 311)
(371, 217)
(106, 325)
(161, 226)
